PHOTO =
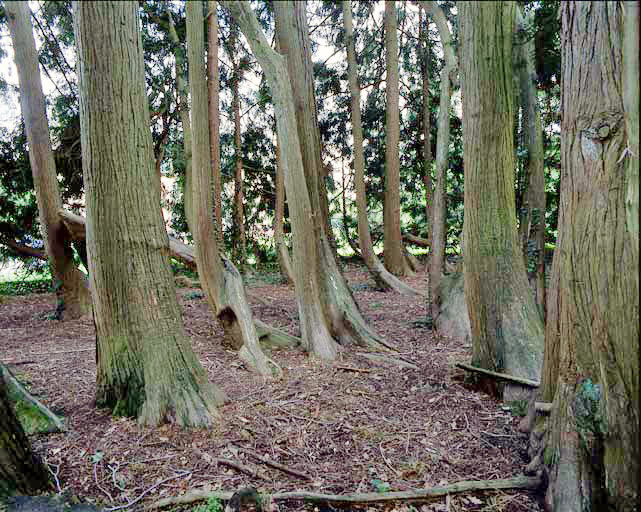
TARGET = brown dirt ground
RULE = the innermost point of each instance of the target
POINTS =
(346, 424)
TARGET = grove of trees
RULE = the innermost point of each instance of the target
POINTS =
(498, 140)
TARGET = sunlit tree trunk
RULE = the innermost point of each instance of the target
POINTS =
(182, 93)
(380, 274)
(507, 331)
(426, 57)
(146, 366)
(73, 296)
(213, 86)
(591, 451)
(448, 75)
(393, 252)
(532, 217)
(21, 471)
(219, 278)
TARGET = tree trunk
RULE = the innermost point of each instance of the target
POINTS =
(20, 470)
(532, 228)
(146, 366)
(591, 451)
(379, 273)
(507, 331)
(73, 296)
(282, 252)
(448, 74)
(240, 244)
(213, 85)
(426, 58)
(182, 94)
(220, 280)
(339, 308)
(393, 253)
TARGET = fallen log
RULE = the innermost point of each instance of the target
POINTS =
(519, 482)
(416, 240)
(502, 376)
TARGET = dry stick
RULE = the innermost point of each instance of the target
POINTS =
(504, 376)
(265, 460)
(230, 463)
(147, 491)
(519, 482)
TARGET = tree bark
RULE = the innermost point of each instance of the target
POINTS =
(182, 94)
(393, 253)
(146, 366)
(532, 227)
(73, 296)
(340, 311)
(507, 331)
(213, 85)
(426, 58)
(220, 280)
(282, 252)
(448, 74)
(379, 273)
(20, 470)
(591, 451)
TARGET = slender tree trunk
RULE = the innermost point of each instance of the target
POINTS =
(393, 253)
(20, 470)
(339, 308)
(350, 242)
(591, 450)
(220, 280)
(282, 252)
(507, 331)
(213, 85)
(448, 74)
(146, 366)
(182, 94)
(426, 58)
(532, 228)
(73, 296)
(379, 273)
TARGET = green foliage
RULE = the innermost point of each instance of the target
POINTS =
(194, 295)
(380, 486)
(214, 504)
(26, 287)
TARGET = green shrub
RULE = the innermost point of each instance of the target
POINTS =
(26, 287)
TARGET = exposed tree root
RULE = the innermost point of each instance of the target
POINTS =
(496, 375)
(274, 338)
(519, 482)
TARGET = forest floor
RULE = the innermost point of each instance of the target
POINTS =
(353, 425)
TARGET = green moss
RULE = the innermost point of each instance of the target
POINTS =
(549, 456)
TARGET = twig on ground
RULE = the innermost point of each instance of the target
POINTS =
(519, 482)
(350, 369)
(230, 463)
(114, 472)
(497, 375)
(265, 460)
(54, 474)
(147, 491)
(386, 460)
(95, 477)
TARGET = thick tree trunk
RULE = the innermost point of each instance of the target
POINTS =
(240, 244)
(282, 252)
(448, 74)
(220, 280)
(21, 471)
(426, 57)
(182, 93)
(393, 253)
(146, 366)
(73, 296)
(379, 273)
(507, 331)
(532, 228)
(591, 451)
(213, 87)
(339, 308)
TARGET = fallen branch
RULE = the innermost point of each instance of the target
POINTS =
(179, 474)
(268, 462)
(232, 464)
(503, 376)
(416, 240)
(519, 482)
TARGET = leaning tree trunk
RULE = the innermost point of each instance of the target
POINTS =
(532, 215)
(213, 86)
(339, 308)
(73, 296)
(282, 252)
(146, 366)
(393, 254)
(21, 472)
(426, 59)
(182, 93)
(507, 331)
(591, 450)
(448, 74)
(376, 268)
